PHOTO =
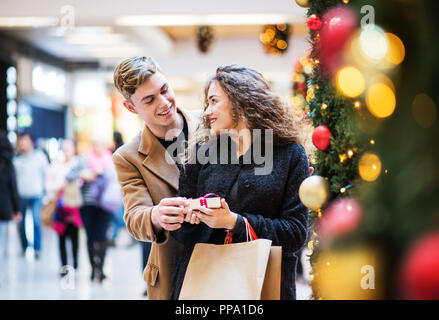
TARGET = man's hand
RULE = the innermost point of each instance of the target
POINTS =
(169, 214)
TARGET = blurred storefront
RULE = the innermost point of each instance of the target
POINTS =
(42, 103)
(98, 110)
(53, 102)
(8, 98)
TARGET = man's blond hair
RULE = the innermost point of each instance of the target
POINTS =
(132, 73)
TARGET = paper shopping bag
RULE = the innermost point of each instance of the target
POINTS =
(271, 287)
(47, 212)
(72, 194)
(226, 272)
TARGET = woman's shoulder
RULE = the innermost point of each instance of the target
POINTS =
(293, 149)
(294, 156)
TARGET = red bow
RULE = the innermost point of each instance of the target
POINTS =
(203, 200)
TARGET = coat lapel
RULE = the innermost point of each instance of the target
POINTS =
(193, 119)
(157, 158)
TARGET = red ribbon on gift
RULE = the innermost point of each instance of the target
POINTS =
(203, 201)
(251, 234)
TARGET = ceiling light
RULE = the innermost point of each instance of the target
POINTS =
(110, 52)
(28, 22)
(209, 19)
(95, 39)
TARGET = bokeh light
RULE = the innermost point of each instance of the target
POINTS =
(348, 274)
(369, 166)
(350, 81)
(396, 52)
(380, 78)
(373, 42)
(424, 110)
(380, 100)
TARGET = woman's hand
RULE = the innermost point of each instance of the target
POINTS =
(87, 175)
(191, 217)
(218, 218)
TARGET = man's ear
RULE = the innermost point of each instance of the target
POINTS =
(129, 106)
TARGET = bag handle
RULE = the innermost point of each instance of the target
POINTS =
(250, 233)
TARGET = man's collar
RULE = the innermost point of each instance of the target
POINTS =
(149, 142)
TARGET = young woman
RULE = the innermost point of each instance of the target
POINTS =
(93, 168)
(239, 100)
(62, 176)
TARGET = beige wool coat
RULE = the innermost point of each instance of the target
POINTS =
(145, 178)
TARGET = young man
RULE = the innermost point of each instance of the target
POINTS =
(31, 166)
(149, 181)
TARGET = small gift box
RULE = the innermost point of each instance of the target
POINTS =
(213, 202)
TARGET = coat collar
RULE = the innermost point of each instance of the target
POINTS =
(157, 158)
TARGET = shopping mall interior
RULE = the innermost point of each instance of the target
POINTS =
(57, 60)
(60, 58)
(355, 99)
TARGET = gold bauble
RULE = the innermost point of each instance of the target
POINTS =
(303, 3)
(314, 192)
(349, 274)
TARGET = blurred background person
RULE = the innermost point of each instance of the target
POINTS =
(31, 166)
(95, 218)
(117, 216)
(62, 184)
(117, 140)
(9, 199)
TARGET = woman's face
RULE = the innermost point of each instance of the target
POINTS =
(219, 110)
(68, 148)
(99, 146)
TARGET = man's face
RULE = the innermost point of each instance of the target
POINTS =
(154, 102)
(25, 144)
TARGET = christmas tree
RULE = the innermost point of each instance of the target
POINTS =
(374, 111)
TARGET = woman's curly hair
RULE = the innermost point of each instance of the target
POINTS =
(251, 95)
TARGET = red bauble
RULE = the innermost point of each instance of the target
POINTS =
(341, 217)
(420, 271)
(314, 22)
(339, 24)
(321, 137)
(301, 87)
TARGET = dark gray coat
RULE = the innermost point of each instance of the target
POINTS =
(270, 202)
(9, 199)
